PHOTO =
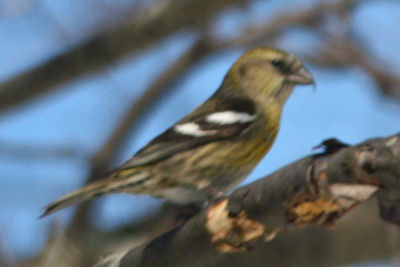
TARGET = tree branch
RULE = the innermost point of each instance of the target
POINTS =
(318, 189)
(311, 17)
(38, 151)
(144, 28)
(340, 51)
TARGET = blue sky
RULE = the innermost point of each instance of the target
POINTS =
(82, 114)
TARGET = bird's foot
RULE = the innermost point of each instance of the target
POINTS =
(214, 195)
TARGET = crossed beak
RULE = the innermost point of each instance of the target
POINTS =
(302, 76)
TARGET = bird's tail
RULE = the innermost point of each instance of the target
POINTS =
(96, 189)
(75, 197)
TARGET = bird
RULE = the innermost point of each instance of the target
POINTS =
(215, 146)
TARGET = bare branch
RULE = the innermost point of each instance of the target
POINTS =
(310, 17)
(34, 151)
(144, 28)
(318, 189)
(305, 195)
(339, 52)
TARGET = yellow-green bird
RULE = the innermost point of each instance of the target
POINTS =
(218, 144)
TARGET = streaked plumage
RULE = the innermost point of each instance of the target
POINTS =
(218, 144)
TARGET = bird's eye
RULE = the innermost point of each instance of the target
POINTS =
(277, 63)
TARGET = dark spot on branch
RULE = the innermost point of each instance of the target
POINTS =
(368, 167)
(330, 146)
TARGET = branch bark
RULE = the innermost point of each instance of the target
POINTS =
(318, 189)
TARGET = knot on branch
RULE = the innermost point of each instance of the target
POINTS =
(307, 211)
(330, 195)
(366, 165)
(327, 207)
(377, 163)
(234, 232)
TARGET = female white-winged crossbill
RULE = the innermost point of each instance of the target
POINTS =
(218, 144)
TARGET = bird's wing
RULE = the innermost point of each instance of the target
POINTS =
(225, 121)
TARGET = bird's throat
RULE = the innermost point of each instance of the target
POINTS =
(284, 92)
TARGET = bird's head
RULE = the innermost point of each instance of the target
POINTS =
(268, 72)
